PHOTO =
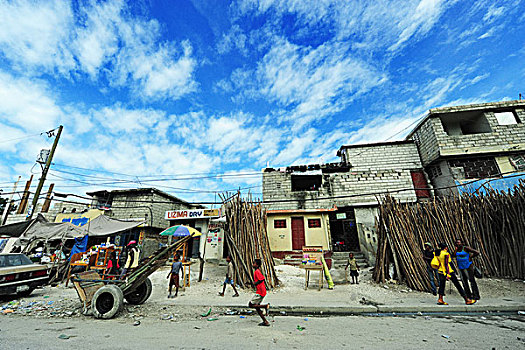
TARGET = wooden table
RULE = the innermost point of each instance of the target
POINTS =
(307, 270)
(186, 283)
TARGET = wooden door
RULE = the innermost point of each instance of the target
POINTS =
(298, 241)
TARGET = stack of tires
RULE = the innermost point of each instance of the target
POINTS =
(108, 300)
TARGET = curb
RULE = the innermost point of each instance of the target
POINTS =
(383, 309)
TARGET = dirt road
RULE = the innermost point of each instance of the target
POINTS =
(453, 332)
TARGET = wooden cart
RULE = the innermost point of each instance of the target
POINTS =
(104, 298)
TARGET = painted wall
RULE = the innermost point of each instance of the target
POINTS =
(79, 219)
(281, 238)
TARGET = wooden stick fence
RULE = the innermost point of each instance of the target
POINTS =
(493, 223)
(247, 240)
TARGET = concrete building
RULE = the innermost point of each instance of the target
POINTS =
(208, 222)
(335, 205)
(141, 204)
(462, 144)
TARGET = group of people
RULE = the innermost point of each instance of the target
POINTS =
(440, 270)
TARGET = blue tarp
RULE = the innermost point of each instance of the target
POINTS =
(498, 184)
(80, 245)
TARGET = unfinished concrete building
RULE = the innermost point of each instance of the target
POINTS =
(459, 145)
(335, 205)
(141, 204)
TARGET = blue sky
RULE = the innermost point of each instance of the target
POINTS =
(182, 92)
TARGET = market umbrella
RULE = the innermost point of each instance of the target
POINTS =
(180, 231)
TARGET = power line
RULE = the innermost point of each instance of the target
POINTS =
(110, 184)
(307, 199)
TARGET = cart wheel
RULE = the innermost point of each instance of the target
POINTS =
(140, 294)
(107, 301)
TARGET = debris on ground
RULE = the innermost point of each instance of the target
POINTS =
(206, 313)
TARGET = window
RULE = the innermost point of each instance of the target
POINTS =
(506, 118)
(434, 171)
(465, 123)
(477, 168)
(313, 223)
(279, 223)
(306, 182)
(518, 161)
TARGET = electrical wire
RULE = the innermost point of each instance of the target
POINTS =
(300, 200)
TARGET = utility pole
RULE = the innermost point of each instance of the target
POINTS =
(9, 202)
(44, 174)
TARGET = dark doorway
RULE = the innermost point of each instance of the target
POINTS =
(343, 230)
(298, 241)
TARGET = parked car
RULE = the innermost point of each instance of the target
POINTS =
(19, 275)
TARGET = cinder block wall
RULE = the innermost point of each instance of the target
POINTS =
(374, 169)
(435, 142)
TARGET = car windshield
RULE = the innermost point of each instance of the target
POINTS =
(14, 260)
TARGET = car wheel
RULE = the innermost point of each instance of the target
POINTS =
(107, 301)
(25, 293)
(140, 294)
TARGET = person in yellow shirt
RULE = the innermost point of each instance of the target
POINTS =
(446, 273)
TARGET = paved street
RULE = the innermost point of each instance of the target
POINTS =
(415, 332)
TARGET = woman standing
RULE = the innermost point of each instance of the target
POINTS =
(464, 256)
(446, 273)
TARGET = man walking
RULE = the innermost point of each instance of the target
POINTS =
(428, 255)
(176, 267)
(259, 294)
(229, 278)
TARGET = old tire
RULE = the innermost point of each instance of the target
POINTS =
(107, 302)
(140, 294)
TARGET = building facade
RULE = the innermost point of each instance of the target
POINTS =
(140, 204)
(342, 197)
(463, 146)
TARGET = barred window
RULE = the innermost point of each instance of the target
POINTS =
(279, 223)
(313, 223)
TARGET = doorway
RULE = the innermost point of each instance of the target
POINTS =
(343, 230)
(298, 241)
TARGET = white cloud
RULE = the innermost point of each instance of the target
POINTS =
(35, 36)
(26, 104)
(371, 25)
(493, 13)
(99, 39)
(419, 21)
(312, 82)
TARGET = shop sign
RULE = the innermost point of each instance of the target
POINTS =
(340, 216)
(191, 214)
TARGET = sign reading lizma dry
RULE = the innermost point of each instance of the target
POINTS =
(192, 214)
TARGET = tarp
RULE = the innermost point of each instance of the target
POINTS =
(43, 231)
(498, 184)
(105, 226)
(49, 231)
(16, 229)
(80, 246)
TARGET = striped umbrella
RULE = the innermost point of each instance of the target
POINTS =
(180, 231)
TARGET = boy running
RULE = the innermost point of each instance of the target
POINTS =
(174, 272)
(259, 294)
(229, 278)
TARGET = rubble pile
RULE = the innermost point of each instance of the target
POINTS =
(42, 308)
